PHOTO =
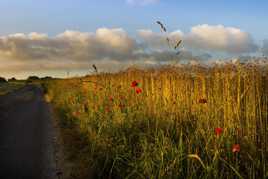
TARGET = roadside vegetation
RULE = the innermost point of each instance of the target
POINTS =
(173, 122)
(10, 85)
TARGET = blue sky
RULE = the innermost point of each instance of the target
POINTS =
(52, 17)
(50, 37)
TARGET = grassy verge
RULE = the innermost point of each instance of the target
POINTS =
(75, 148)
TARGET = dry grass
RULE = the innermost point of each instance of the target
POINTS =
(167, 130)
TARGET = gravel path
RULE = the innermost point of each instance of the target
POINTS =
(27, 136)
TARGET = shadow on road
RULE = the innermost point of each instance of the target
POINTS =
(26, 135)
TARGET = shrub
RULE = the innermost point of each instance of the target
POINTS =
(32, 79)
(2, 80)
(12, 79)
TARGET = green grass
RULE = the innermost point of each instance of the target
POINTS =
(168, 130)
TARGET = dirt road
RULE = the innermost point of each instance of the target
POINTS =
(26, 135)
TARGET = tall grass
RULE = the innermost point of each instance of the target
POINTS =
(168, 130)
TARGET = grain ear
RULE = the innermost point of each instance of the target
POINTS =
(178, 44)
(162, 26)
(95, 68)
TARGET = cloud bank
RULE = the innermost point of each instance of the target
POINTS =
(115, 47)
(264, 49)
(211, 38)
(105, 43)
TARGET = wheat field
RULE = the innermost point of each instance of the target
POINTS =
(172, 122)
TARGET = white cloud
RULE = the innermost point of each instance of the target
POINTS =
(220, 38)
(205, 37)
(141, 2)
(115, 38)
(158, 41)
(68, 50)
(104, 43)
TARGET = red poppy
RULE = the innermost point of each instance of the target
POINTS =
(134, 84)
(107, 109)
(138, 90)
(218, 131)
(236, 148)
(76, 113)
(203, 101)
(111, 98)
(121, 106)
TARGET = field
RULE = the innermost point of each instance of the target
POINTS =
(173, 122)
(8, 87)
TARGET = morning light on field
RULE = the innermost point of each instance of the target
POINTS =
(133, 89)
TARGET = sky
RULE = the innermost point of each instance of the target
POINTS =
(49, 37)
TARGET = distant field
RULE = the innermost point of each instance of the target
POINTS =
(8, 87)
(189, 122)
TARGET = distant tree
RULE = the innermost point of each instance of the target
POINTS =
(3, 80)
(32, 79)
(47, 78)
(12, 79)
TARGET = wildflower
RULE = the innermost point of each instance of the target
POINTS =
(203, 101)
(121, 106)
(107, 109)
(134, 84)
(218, 131)
(138, 90)
(236, 148)
(111, 98)
(76, 113)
